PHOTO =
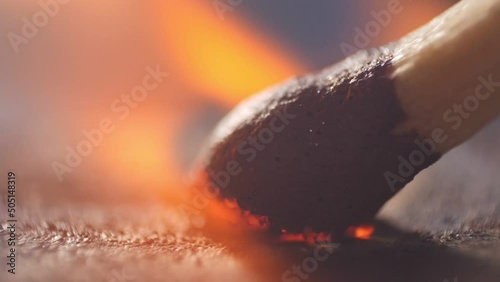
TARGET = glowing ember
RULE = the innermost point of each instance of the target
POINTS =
(256, 221)
(232, 204)
(292, 237)
(362, 232)
(227, 211)
(306, 237)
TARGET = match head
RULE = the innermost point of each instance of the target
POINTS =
(326, 151)
(313, 152)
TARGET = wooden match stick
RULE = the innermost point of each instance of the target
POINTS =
(453, 60)
(327, 150)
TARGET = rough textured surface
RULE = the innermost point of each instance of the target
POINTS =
(119, 244)
(138, 243)
(325, 168)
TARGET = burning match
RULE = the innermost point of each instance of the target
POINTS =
(327, 150)
(125, 156)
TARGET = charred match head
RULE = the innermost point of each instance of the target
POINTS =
(327, 150)
(313, 152)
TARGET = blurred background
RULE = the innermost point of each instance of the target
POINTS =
(84, 58)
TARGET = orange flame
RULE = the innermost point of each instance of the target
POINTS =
(224, 59)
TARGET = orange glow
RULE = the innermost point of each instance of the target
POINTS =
(232, 204)
(137, 146)
(224, 59)
(292, 237)
(139, 153)
(229, 209)
(224, 220)
(140, 148)
(306, 237)
(362, 232)
(256, 221)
